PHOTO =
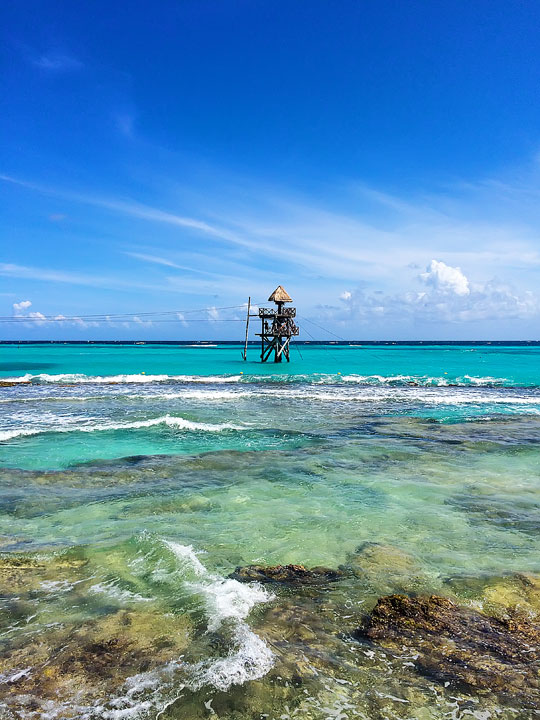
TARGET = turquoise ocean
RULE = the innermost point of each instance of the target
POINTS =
(135, 479)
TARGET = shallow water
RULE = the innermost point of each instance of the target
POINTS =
(127, 500)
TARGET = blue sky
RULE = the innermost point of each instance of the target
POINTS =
(380, 160)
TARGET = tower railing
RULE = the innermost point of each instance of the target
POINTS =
(271, 312)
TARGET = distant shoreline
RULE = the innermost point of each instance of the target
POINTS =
(255, 343)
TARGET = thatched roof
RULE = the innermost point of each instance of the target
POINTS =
(280, 295)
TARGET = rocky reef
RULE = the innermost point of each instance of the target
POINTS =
(341, 646)
(460, 646)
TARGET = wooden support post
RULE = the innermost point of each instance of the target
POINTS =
(268, 350)
(247, 327)
(277, 354)
(283, 349)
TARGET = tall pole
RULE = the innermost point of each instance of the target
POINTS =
(247, 327)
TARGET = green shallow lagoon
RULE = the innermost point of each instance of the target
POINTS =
(128, 500)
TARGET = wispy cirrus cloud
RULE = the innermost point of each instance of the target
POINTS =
(166, 262)
(49, 275)
(56, 62)
(373, 244)
(24, 272)
(133, 209)
(174, 284)
(333, 244)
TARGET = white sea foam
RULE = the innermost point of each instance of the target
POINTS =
(205, 395)
(56, 586)
(13, 675)
(79, 378)
(10, 434)
(111, 590)
(225, 599)
(228, 600)
(145, 694)
(424, 380)
(314, 379)
(24, 423)
(170, 421)
(487, 380)
(249, 657)
(45, 398)
(186, 557)
(384, 379)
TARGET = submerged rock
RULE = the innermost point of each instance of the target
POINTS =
(287, 574)
(385, 568)
(19, 572)
(459, 646)
(373, 556)
(499, 510)
(503, 595)
(75, 667)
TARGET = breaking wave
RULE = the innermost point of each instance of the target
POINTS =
(170, 421)
(78, 378)
(281, 379)
(225, 602)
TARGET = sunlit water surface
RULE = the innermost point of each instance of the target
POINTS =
(135, 479)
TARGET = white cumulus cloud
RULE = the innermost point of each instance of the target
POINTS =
(445, 278)
(37, 317)
(449, 298)
(21, 306)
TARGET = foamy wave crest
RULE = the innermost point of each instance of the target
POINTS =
(79, 378)
(250, 659)
(206, 395)
(270, 379)
(224, 598)
(170, 421)
(483, 380)
(203, 394)
(379, 379)
(225, 601)
(430, 395)
(424, 380)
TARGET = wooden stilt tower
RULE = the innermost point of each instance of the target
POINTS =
(278, 327)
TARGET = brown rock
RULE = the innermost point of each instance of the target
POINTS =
(286, 574)
(460, 646)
